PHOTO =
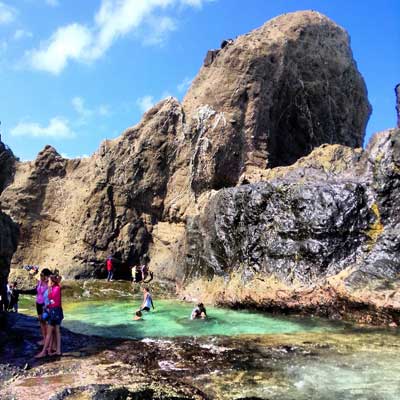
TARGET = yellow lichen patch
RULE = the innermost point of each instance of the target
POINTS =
(375, 229)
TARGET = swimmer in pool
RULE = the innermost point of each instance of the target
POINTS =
(147, 300)
(138, 316)
(199, 312)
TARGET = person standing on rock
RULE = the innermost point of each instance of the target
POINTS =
(39, 290)
(56, 315)
(110, 269)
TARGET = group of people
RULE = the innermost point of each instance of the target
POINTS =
(139, 273)
(49, 304)
(199, 312)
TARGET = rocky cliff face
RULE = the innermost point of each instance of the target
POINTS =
(273, 95)
(263, 100)
(8, 229)
(304, 224)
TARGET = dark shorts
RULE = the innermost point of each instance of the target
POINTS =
(145, 309)
(56, 315)
(39, 309)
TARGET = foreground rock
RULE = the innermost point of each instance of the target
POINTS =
(200, 368)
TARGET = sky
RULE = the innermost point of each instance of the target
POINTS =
(74, 72)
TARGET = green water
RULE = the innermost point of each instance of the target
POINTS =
(273, 357)
(172, 318)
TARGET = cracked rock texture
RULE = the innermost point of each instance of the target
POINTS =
(8, 228)
(309, 221)
(192, 185)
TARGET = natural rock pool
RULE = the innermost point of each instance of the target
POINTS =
(171, 318)
(242, 354)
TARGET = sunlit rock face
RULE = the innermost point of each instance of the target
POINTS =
(308, 221)
(273, 95)
(263, 100)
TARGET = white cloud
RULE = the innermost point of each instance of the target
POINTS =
(184, 85)
(65, 155)
(57, 128)
(79, 106)
(158, 28)
(145, 103)
(22, 34)
(78, 103)
(7, 13)
(114, 20)
(52, 3)
(104, 110)
(69, 42)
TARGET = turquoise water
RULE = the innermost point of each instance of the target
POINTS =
(172, 318)
(256, 355)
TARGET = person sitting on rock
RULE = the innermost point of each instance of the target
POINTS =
(199, 312)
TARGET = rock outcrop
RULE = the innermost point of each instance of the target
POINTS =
(8, 229)
(273, 95)
(303, 224)
(231, 183)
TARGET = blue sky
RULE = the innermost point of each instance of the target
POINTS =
(75, 72)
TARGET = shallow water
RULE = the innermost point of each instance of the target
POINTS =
(171, 318)
(257, 355)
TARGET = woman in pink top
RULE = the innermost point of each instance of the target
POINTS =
(55, 318)
(40, 290)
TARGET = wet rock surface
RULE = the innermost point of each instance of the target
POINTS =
(187, 368)
(306, 228)
(309, 228)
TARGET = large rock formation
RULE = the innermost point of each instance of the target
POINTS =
(307, 221)
(272, 96)
(263, 100)
(8, 229)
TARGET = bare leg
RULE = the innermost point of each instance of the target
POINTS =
(53, 345)
(43, 330)
(47, 341)
(56, 341)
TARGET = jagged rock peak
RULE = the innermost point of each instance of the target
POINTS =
(7, 163)
(49, 162)
(274, 94)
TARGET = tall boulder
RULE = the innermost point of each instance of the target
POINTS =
(271, 96)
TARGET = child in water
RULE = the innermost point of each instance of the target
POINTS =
(199, 312)
(138, 316)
